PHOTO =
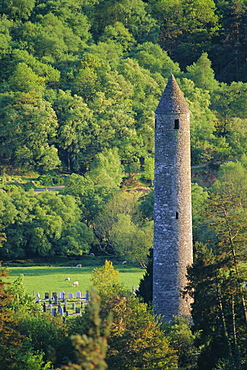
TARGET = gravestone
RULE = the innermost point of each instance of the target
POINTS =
(60, 310)
(78, 294)
(61, 295)
(55, 298)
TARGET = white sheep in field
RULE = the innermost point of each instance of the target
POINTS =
(79, 265)
(75, 283)
(67, 279)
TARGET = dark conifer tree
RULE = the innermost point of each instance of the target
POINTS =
(145, 290)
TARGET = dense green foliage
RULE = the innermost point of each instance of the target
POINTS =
(136, 340)
(116, 331)
(80, 80)
(218, 276)
(16, 351)
(91, 347)
(42, 225)
(10, 338)
(80, 77)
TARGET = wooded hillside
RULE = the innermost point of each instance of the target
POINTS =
(79, 83)
(78, 77)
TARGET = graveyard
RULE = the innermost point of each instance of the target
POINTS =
(65, 305)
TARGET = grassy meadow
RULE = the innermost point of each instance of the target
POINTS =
(42, 279)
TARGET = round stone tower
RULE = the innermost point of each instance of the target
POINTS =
(173, 250)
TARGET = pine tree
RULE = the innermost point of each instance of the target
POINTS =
(92, 347)
(202, 74)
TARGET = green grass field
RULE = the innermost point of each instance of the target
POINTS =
(42, 279)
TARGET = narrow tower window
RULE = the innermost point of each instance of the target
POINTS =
(176, 124)
(176, 215)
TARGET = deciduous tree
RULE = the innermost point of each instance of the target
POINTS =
(27, 131)
(136, 339)
(11, 340)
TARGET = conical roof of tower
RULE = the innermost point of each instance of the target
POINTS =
(172, 100)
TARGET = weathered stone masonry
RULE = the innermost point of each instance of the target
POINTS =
(173, 250)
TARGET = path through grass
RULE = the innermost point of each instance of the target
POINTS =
(42, 279)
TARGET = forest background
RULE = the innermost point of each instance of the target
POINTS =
(80, 81)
